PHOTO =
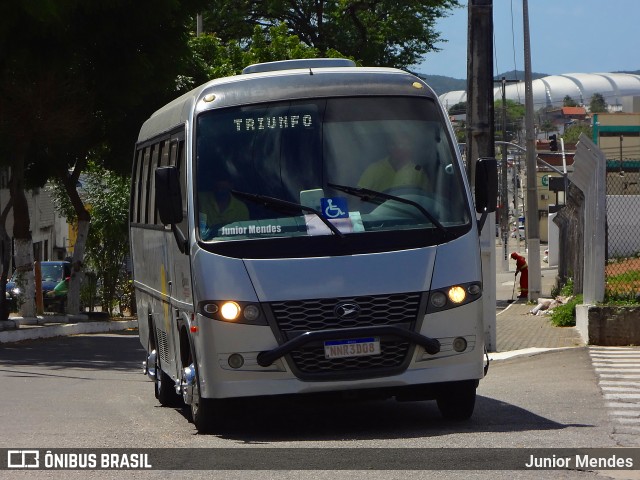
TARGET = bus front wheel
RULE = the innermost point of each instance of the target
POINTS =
(202, 409)
(202, 413)
(458, 401)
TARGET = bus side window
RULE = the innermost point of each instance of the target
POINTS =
(164, 157)
(143, 200)
(177, 158)
(183, 176)
(152, 214)
(134, 216)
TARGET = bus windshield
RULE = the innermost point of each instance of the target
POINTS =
(301, 168)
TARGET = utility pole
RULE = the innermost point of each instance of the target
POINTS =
(480, 140)
(504, 196)
(532, 222)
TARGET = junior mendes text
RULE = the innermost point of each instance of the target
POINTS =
(579, 461)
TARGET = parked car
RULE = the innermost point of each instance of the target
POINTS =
(53, 272)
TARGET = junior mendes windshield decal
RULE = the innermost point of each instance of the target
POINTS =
(250, 230)
(272, 123)
(335, 209)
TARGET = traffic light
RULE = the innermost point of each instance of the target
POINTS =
(553, 145)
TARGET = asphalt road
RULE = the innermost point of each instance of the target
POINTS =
(89, 392)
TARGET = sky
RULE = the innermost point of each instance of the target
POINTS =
(566, 36)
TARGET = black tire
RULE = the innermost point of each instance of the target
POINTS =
(458, 401)
(202, 409)
(202, 413)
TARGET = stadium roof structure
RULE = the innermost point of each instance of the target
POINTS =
(550, 91)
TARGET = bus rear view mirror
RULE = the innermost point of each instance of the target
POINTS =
(168, 197)
(486, 185)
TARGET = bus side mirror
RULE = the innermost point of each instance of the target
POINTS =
(486, 185)
(168, 196)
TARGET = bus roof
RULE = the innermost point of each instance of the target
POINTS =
(279, 85)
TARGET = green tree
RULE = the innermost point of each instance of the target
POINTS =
(106, 194)
(377, 32)
(458, 109)
(597, 104)
(76, 79)
(547, 126)
(572, 133)
(569, 102)
(515, 114)
(460, 130)
(214, 58)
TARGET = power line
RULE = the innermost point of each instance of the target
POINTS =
(513, 47)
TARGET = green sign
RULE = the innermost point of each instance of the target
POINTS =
(545, 180)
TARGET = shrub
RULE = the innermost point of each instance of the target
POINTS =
(565, 315)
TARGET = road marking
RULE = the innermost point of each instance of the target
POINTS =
(626, 413)
(622, 396)
(618, 373)
(618, 383)
(613, 371)
(608, 388)
(620, 405)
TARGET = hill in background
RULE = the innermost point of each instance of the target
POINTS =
(442, 84)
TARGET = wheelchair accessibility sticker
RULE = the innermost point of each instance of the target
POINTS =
(335, 207)
(336, 210)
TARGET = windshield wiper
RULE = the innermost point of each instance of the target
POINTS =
(285, 206)
(372, 195)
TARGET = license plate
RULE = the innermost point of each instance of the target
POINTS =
(356, 347)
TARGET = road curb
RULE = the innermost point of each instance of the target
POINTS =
(50, 331)
(524, 351)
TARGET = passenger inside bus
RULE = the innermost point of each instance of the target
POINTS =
(397, 169)
(216, 203)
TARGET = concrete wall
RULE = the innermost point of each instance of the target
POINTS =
(609, 326)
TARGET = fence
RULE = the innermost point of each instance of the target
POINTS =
(622, 272)
(587, 243)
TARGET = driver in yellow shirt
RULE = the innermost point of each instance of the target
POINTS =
(219, 207)
(397, 170)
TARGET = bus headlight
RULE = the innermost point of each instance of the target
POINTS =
(457, 294)
(230, 311)
(251, 312)
(454, 296)
(438, 299)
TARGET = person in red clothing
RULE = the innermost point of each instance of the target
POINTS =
(521, 267)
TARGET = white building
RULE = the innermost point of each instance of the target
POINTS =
(550, 91)
(49, 230)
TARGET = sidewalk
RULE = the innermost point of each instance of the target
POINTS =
(517, 329)
(18, 329)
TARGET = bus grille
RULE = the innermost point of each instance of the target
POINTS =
(296, 317)
(310, 315)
